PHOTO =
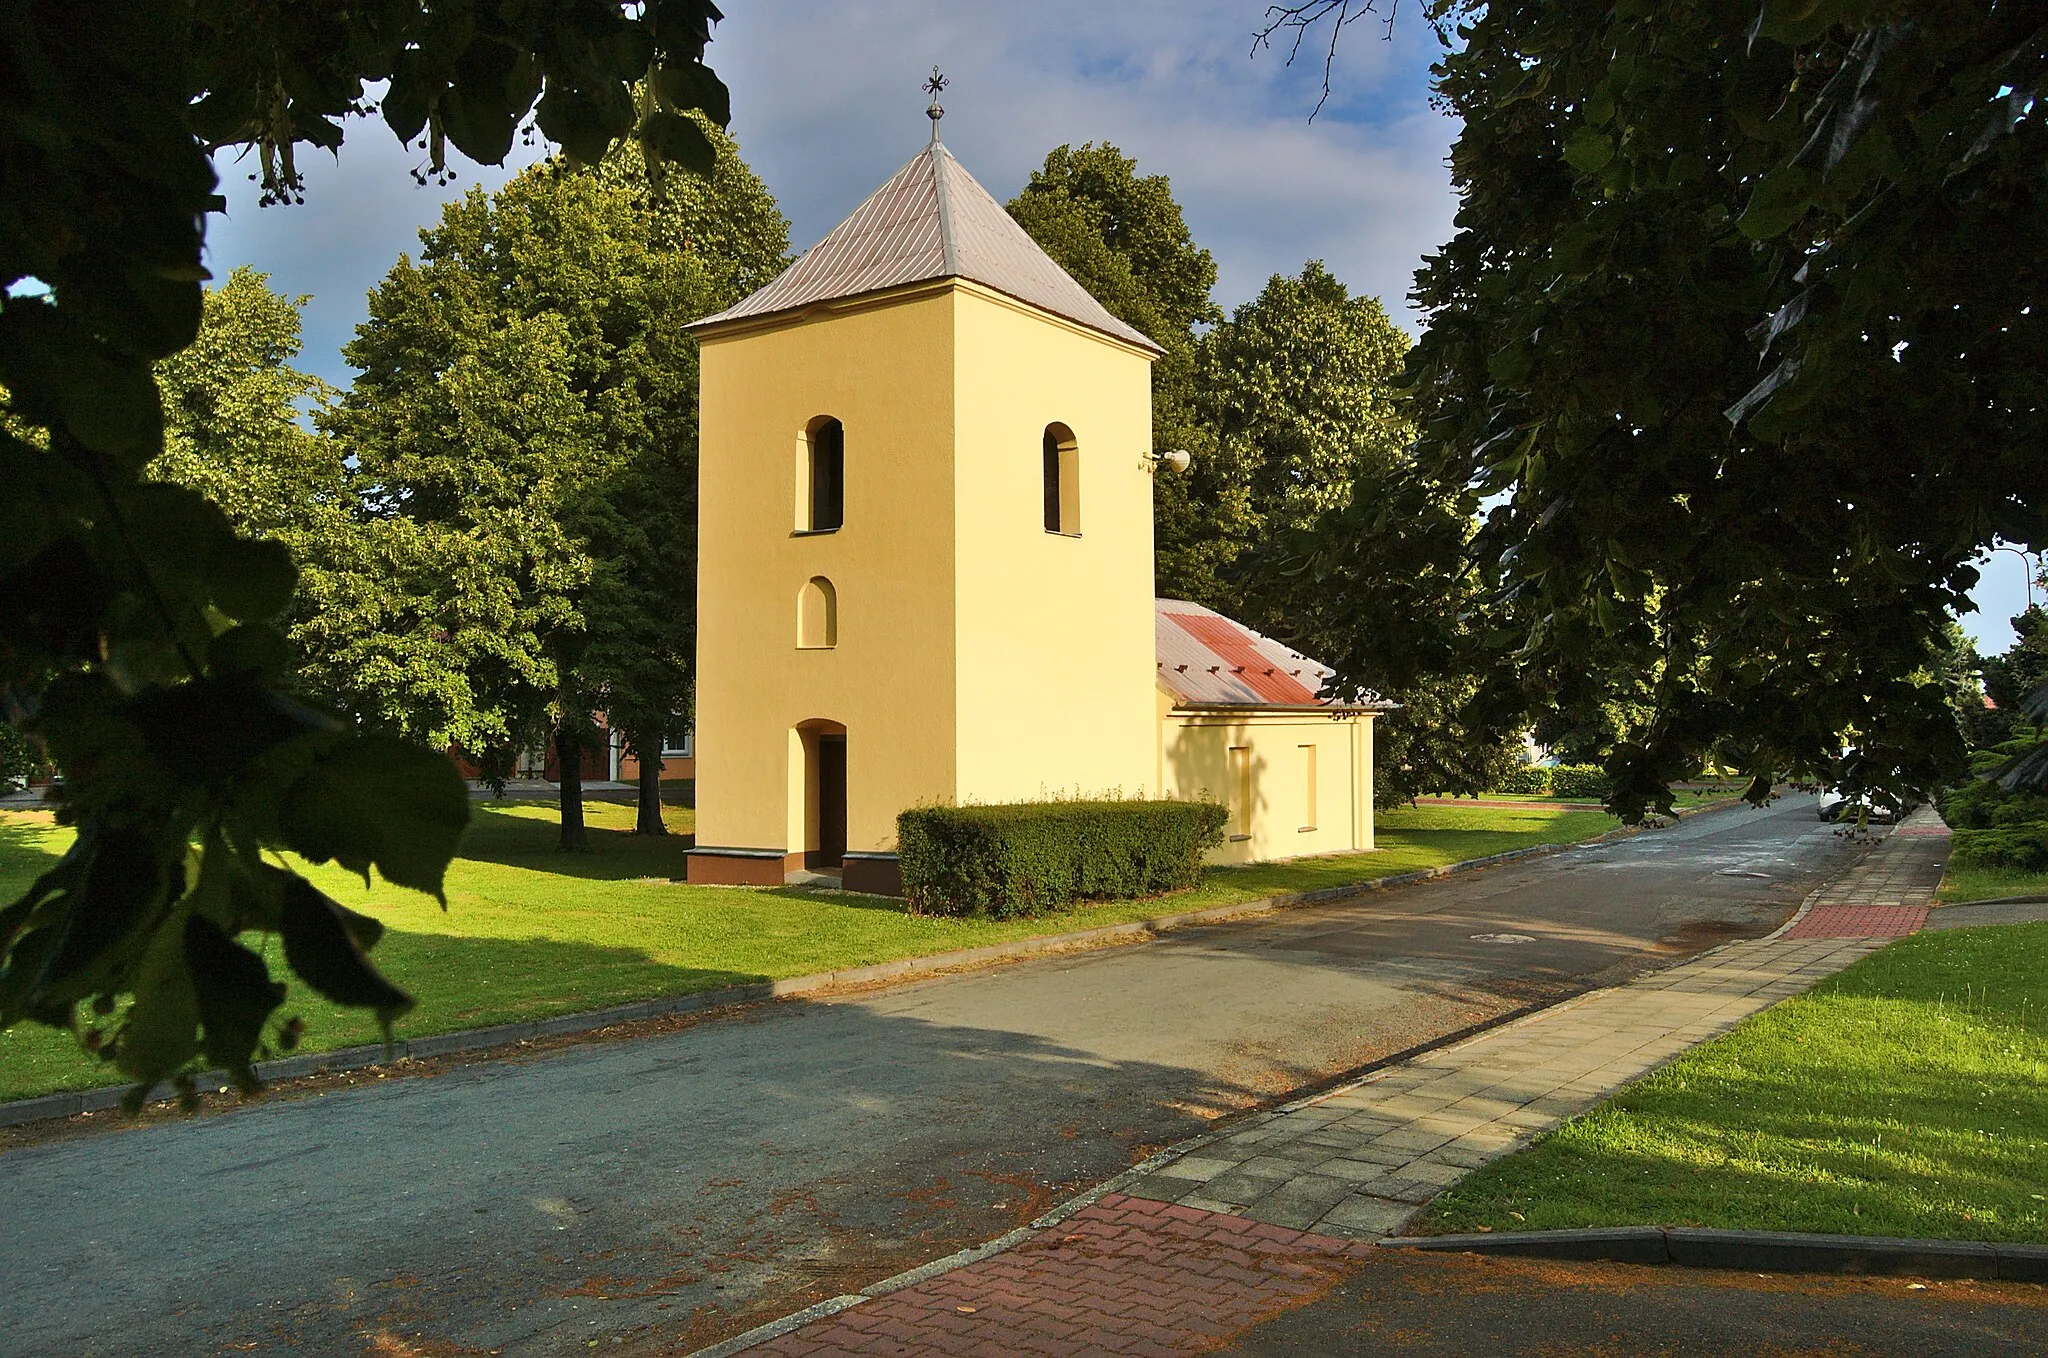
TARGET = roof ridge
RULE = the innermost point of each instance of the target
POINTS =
(949, 246)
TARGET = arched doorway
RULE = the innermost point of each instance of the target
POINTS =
(823, 773)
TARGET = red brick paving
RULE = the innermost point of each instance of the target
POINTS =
(1859, 921)
(1123, 1275)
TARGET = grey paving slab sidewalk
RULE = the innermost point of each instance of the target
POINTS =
(1361, 1159)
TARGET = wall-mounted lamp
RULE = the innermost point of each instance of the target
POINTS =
(1177, 460)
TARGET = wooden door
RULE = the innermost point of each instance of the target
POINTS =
(831, 850)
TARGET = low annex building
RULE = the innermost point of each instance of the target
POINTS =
(926, 563)
(1241, 722)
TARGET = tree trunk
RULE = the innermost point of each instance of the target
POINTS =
(647, 749)
(569, 750)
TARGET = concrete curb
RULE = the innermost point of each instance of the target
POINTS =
(512, 1035)
(1755, 1251)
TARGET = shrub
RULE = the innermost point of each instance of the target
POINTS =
(1586, 782)
(1531, 780)
(1031, 857)
(2012, 846)
(1981, 805)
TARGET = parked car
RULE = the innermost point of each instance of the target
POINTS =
(1836, 804)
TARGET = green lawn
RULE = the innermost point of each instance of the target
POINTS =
(1907, 1096)
(1985, 884)
(530, 932)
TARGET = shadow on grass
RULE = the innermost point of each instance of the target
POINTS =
(460, 983)
(467, 982)
(25, 854)
(499, 835)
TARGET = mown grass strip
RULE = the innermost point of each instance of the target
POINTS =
(1907, 1096)
(1960, 885)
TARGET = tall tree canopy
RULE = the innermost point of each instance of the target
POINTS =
(1299, 386)
(529, 393)
(138, 633)
(232, 413)
(2016, 672)
(1741, 338)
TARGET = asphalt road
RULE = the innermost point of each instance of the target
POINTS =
(665, 1191)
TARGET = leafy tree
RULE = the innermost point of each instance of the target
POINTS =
(528, 385)
(368, 645)
(2022, 669)
(232, 410)
(1299, 385)
(1741, 339)
(1122, 236)
(20, 757)
(138, 638)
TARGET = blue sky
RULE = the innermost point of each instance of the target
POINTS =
(826, 104)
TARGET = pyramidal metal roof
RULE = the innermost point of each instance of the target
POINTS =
(1208, 660)
(930, 220)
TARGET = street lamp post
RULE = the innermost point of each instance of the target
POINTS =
(2032, 567)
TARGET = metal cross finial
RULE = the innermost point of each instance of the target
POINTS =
(935, 112)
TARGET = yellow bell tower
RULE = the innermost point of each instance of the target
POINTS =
(925, 562)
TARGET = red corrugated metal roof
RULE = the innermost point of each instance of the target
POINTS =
(1207, 660)
(930, 220)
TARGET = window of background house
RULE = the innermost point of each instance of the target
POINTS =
(675, 739)
(824, 477)
(817, 615)
(1062, 481)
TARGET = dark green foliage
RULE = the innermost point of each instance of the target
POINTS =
(2023, 847)
(21, 757)
(528, 408)
(1741, 339)
(2009, 677)
(1531, 780)
(140, 636)
(1031, 857)
(1586, 782)
(1983, 803)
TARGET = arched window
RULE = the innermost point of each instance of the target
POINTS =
(1062, 481)
(821, 477)
(817, 615)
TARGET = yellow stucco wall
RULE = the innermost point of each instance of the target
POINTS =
(1056, 663)
(978, 657)
(1266, 787)
(886, 373)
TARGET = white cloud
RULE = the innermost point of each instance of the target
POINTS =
(827, 104)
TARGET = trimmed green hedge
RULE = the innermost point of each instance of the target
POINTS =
(1587, 782)
(2012, 846)
(1029, 858)
(1532, 780)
